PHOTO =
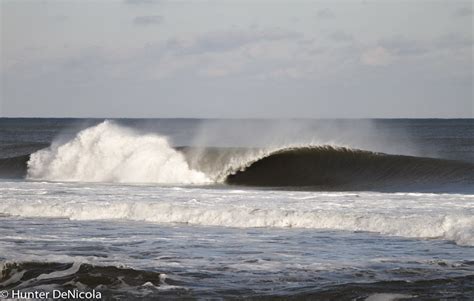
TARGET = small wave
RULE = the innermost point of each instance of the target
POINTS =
(107, 280)
(453, 226)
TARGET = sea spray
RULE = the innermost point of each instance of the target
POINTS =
(108, 152)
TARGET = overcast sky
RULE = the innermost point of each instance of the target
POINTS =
(229, 58)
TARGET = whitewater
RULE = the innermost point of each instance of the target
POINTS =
(418, 215)
(111, 153)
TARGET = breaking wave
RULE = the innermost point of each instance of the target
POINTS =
(334, 168)
(454, 225)
(111, 153)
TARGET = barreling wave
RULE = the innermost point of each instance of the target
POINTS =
(334, 168)
(15, 167)
(111, 153)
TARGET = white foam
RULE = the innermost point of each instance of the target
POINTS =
(447, 216)
(388, 297)
(111, 153)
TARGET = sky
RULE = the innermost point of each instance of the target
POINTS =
(237, 59)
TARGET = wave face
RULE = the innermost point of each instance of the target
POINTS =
(111, 153)
(327, 167)
(15, 167)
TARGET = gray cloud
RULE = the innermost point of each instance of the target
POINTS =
(325, 14)
(340, 36)
(454, 41)
(404, 46)
(226, 40)
(148, 20)
(60, 18)
(463, 12)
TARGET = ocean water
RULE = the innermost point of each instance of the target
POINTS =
(254, 209)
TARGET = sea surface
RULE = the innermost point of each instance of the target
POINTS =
(238, 209)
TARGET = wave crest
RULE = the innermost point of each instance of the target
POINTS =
(111, 153)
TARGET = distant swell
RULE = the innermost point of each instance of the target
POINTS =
(327, 167)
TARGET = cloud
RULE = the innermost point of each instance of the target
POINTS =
(148, 20)
(60, 18)
(222, 41)
(403, 46)
(463, 12)
(376, 56)
(340, 36)
(325, 14)
(454, 41)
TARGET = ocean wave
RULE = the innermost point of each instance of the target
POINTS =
(84, 277)
(453, 226)
(328, 167)
(111, 153)
(108, 152)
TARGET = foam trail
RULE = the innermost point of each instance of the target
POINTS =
(111, 153)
